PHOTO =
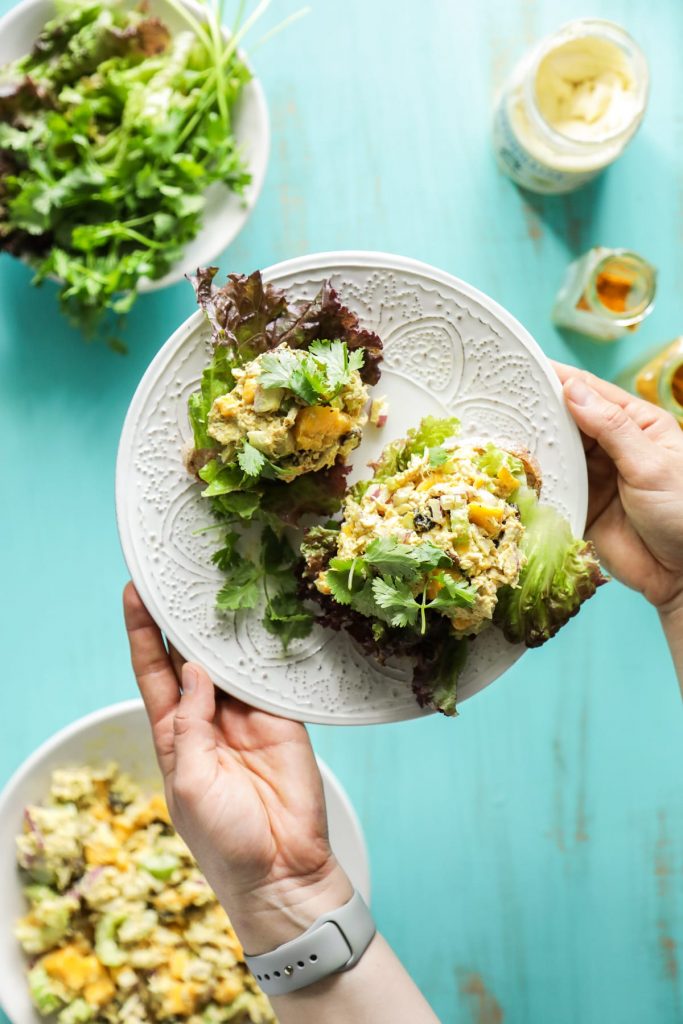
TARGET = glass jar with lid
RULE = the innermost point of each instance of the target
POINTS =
(658, 377)
(570, 106)
(605, 293)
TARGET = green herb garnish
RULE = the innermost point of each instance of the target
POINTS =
(316, 376)
(111, 132)
(271, 577)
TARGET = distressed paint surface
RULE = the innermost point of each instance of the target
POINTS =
(528, 857)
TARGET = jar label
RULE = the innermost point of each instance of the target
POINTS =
(518, 163)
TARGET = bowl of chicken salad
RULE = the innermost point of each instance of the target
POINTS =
(106, 915)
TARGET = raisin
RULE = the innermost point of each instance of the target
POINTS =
(117, 804)
(422, 522)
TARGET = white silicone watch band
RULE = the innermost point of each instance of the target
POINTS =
(333, 943)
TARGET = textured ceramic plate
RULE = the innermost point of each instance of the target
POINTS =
(448, 350)
(225, 213)
(118, 733)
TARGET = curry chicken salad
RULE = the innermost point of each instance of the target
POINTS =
(457, 507)
(122, 927)
(445, 540)
(274, 410)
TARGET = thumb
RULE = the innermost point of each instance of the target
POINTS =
(193, 730)
(608, 424)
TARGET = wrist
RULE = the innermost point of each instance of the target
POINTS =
(671, 613)
(283, 909)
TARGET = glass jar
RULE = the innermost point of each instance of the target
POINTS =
(570, 106)
(605, 293)
(658, 377)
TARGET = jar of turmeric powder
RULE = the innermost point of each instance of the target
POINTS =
(605, 293)
(658, 377)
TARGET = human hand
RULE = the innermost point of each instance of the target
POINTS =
(244, 791)
(634, 452)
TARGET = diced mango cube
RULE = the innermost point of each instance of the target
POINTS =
(178, 963)
(180, 1000)
(73, 967)
(227, 991)
(488, 517)
(100, 854)
(248, 390)
(319, 426)
(226, 406)
(99, 993)
(506, 478)
(429, 481)
(156, 810)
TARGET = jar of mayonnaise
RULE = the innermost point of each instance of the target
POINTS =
(570, 106)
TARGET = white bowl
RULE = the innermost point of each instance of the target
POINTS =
(118, 733)
(225, 212)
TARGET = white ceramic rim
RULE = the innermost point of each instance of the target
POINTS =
(255, 186)
(336, 259)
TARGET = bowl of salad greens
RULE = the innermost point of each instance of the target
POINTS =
(134, 141)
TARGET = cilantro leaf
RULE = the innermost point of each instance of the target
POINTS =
(365, 603)
(315, 376)
(338, 582)
(407, 561)
(241, 588)
(226, 556)
(244, 504)
(221, 479)
(437, 456)
(429, 556)
(277, 368)
(250, 459)
(277, 555)
(392, 558)
(452, 594)
(397, 600)
(336, 363)
(286, 618)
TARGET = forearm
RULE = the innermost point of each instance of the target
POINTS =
(672, 621)
(375, 990)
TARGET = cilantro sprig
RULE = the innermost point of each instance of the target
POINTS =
(271, 577)
(382, 582)
(315, 376)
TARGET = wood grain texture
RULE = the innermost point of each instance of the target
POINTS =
(528, 857)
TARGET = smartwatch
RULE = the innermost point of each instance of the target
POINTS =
(333, 943)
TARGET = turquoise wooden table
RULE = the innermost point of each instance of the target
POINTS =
(527, 858)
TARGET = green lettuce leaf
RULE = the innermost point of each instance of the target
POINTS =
(430, 434)
(561, 572)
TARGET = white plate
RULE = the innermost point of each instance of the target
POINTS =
(225, 213)
(118, 733)
(448, 349)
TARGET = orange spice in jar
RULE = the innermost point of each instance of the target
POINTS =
(658, 378)
(605, 293)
